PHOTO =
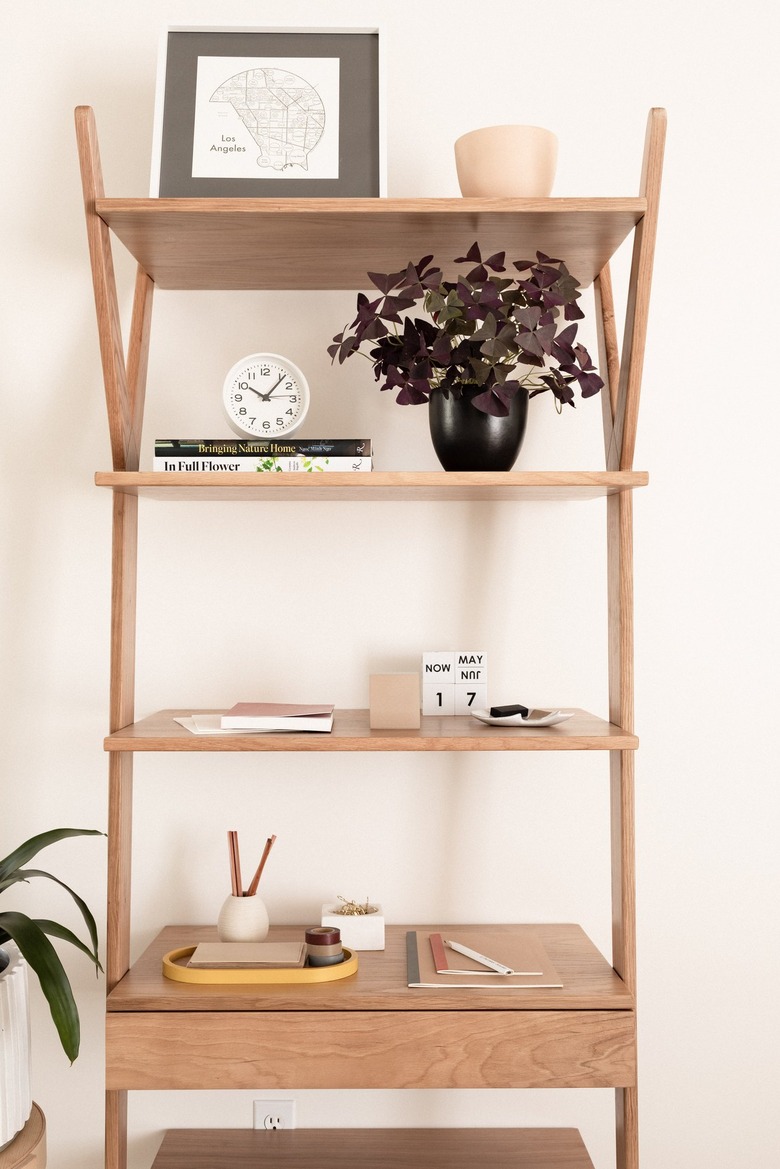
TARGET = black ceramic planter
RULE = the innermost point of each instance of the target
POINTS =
(467, 439)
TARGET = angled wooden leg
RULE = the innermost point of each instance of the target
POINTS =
(638, 301)
(609, 357)
(137, 362)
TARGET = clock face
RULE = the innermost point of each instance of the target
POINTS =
(265, 395)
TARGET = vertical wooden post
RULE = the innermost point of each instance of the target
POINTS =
(620, 409)
(125, 392)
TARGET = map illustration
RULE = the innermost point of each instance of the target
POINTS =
(284, 114)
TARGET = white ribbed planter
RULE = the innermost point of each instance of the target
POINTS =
(15, 1088)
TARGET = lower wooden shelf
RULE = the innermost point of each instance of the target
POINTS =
(371, 1030)
(374, 1148)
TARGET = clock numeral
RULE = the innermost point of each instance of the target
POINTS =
(264, 371)
(280, 422)
(291, 412)
(238, 397)
(242, 410)
(243, 385)
(293, 398)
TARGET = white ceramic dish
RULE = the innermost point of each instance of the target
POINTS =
(549, 718)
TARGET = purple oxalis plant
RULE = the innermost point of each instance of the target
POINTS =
(481, 329)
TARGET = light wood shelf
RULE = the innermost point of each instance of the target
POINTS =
(374, 486)
(589, 981)
(367, 1148)
(333, 243)
(371, 1030)
(351, 732)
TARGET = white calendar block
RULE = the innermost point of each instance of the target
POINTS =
(470, 667)
(438, 667)
(454, 682)
(438, 697)
(470, 696)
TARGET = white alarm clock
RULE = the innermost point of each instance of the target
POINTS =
(265, 396)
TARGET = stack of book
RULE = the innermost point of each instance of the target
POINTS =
(273, 454)
(261, 717)
(277, 716)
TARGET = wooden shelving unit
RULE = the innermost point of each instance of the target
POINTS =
(371, 1030)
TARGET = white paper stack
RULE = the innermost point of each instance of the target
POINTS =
(15, 1088)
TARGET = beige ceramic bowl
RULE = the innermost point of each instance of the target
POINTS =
(516, 162)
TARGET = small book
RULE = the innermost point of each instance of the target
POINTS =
(244, 955)
(286, 447)
(517, 948)
(277, 716)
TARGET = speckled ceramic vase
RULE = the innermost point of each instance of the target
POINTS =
(243, 919)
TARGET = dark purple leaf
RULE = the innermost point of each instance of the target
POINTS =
(583, 357)
(413, 395)
(496, 262)
(544, 277)
(529, 316)
(590, 384)
(385, 282)
(489, 403)
(473, 256)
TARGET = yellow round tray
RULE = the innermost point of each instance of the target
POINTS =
(172, 968)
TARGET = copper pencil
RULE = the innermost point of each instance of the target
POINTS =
(256, 879)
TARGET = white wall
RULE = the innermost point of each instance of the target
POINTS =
(433, 838)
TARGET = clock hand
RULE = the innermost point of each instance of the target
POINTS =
(267, 397)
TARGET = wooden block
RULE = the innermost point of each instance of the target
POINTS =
(394, 701)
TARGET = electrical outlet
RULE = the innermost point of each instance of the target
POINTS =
(272, 1114)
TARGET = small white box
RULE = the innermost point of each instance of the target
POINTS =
(359, 931)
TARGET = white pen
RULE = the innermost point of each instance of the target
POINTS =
(490, 963)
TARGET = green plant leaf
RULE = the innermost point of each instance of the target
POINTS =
(55, 930)
(89, 920)
(44, 960)
(33, 846)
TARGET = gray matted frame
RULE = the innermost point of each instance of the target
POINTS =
(361, 114)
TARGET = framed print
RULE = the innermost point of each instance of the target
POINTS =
(275, 112)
